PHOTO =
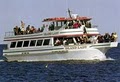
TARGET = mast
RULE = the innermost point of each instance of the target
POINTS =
(69, 12)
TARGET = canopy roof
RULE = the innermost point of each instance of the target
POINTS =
(66, 19)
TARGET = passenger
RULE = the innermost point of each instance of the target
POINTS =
(22, 24)
(84, 38)
(106, 37)
(84, 30)
(38, 30)
(115, 36)
(32, 30)
(65, 42)
(82, 22)
(16, 30)
(77, 39)
(70, 25)
(88, 24)
(112, 37)
(76, 24)
(57, 42)
(89, 40)
(81, 40)
(93, 39)
(42, 28)
(100, 39)
(19, 31)
(23, 28)
(51, 27)
(28, 29)
(65, 25)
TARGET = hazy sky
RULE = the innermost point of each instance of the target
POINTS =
(104, 13)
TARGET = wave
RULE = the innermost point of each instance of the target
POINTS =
(109, 58)
(1, 60)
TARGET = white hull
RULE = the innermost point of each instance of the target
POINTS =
(91, 52)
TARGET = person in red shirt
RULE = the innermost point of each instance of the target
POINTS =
(76, 24)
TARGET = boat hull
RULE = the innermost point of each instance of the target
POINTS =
(84, 54)
(89, 52)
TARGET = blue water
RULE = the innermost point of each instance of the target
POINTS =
(71, 71)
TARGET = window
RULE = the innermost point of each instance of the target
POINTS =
(62, 23)
(32, 43)
(59, 23)
(19, 44)
(12, 44)
(39, 42)
(46, 42)
(26, 43)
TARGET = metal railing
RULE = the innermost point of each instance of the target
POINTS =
(8, 34)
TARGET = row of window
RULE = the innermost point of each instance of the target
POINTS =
(30, 43)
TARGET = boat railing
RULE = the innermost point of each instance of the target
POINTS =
(94, 29)
(10, 33)
(94, 26)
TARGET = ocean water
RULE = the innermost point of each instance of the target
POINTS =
(70, 71)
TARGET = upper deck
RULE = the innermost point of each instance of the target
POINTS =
(54, 33)
(55, 27)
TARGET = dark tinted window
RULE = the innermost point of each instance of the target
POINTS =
(32, 43)
(12, 44)
(26, 43)
(39, 42)
(46, 42)
(70, 40)
(19, 44)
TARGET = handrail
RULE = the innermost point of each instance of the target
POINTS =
(10, 33)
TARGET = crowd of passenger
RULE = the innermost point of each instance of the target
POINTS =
(31, 29)
(107, 37)
(88, 39)
(76, 24)
(28, 30)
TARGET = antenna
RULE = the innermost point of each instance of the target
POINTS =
(69, 12)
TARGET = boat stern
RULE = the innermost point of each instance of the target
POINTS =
(113, 44)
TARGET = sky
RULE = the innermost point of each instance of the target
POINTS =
(104, 13)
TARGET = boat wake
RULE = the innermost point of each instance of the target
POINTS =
(1, 60)
(109, 58)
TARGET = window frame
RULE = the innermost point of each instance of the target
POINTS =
(44, 43)
(41, 42)
(14, 44)
(19, 44)
(34, 43)
(26, 41)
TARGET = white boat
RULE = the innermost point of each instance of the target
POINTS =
(62, 42)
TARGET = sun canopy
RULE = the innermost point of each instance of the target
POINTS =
(66, 19)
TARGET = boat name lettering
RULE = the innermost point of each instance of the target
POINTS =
(77, 47)
(51, 33)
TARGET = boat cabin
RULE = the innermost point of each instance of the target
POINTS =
(58, 23)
